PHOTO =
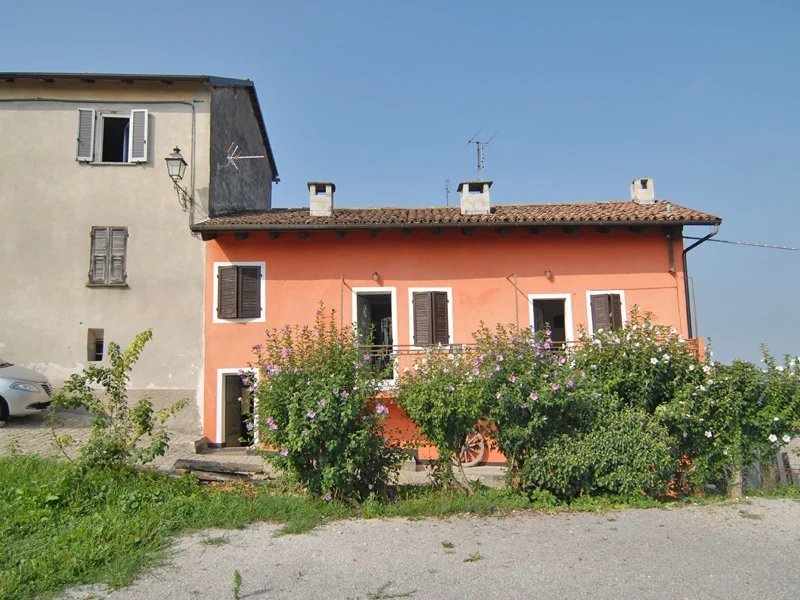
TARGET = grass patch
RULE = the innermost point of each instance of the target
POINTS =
(778, 491)
(61, 528)
(474, 557)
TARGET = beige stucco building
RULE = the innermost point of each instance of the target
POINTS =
(96, 243)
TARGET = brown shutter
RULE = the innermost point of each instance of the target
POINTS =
(226, 292)
(601, 311)
(423, 326)
(119, 236)
(249, 292)
(441, 332)
(98, 268)
(616, 311)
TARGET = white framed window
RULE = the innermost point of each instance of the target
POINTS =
(430, 321)
(375, 319)
(109, 137)
(239, 292)
(553, 311)
(605, 309)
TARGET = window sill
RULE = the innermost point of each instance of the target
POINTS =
(95, 163)
(123, 286)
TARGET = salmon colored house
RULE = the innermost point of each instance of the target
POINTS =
(427, 276)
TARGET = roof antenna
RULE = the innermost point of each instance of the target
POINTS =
(480, 147)
(234, 154)
(447, 192)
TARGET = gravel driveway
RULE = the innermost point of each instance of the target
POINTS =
(744, 550)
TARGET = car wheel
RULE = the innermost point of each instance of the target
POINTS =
(3, 412)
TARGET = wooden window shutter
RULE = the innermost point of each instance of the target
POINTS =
(615, 313)
(85, 149)
(227, 284)
(137, 149)
(118, 247)
(441, 330)
(98, 268)
(249, 292)
(601, 311)
(423, 321)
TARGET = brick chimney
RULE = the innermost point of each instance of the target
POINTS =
(320, 195)
(643, 190)
(475, 197)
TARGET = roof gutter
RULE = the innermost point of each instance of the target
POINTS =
(714, 232)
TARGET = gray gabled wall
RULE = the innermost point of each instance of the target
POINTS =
(249, 188)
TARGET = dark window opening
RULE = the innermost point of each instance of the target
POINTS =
(95, 345)
(644, 184)
(374, 320)
(116, 136)
(551, 314)
(238, 404)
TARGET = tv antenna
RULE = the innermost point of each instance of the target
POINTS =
(234, 155)
(480, 146)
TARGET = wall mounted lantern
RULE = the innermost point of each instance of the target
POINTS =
(176, 167)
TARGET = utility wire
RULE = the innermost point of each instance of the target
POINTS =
(793, 248)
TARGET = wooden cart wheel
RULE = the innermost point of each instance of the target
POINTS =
(473, 450)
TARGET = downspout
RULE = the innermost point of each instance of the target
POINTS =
(714, 232)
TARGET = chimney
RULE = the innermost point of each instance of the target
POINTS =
(643, 190)
(475, 197)
(320, 194)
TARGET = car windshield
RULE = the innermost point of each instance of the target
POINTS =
(5, 364)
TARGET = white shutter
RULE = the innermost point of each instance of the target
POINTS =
(85, 151)
(137, 149)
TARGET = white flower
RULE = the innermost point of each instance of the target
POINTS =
(665, 358)
(725, 452)
(691, 367)
(772, 438)
(776, 418)
(706, 369)
(451, 357)
(786, 439)
(654, 361)
(708, 434)
(779, 367)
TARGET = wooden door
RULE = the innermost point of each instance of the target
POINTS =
(234, 390)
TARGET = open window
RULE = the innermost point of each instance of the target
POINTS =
(375, 323)
(553, 312)
(112, 137)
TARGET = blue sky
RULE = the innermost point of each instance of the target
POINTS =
(381, 97)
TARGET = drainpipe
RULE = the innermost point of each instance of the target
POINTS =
(714, 232)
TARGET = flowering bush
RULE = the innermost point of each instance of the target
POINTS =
(740, 414)
(444, 395)
(315, 408)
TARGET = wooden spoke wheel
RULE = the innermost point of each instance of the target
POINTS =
(472, 451)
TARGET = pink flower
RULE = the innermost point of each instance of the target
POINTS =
(273, 426)
(500, 358)
(285, 452)
(328, 497)
(570, 383)
(475, 371)
(322, 403)
(366, 358)
(554, 387)
(249, 427)
(311, 414)
(284, 353)
(513, 379)
(534, 396)
(381, 409)
(524, 405)
(497, 368)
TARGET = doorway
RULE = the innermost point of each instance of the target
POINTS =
(375, 325)
(552, 313)
(237, 410)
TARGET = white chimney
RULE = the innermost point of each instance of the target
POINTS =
(475, 197)
(320, 196)
(643, 190)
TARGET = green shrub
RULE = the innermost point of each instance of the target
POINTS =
(122, 434)
(627, 455)
(316, 408)
(444, 395)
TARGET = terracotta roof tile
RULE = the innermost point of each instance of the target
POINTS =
(588, 213)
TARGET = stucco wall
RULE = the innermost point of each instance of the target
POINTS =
(233, 121)
(479, 269)
(49, 203)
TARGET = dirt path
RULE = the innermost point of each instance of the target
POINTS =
(744, 550)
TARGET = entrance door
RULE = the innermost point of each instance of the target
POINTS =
(237, 402)
(374, 322)
(551, 313)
